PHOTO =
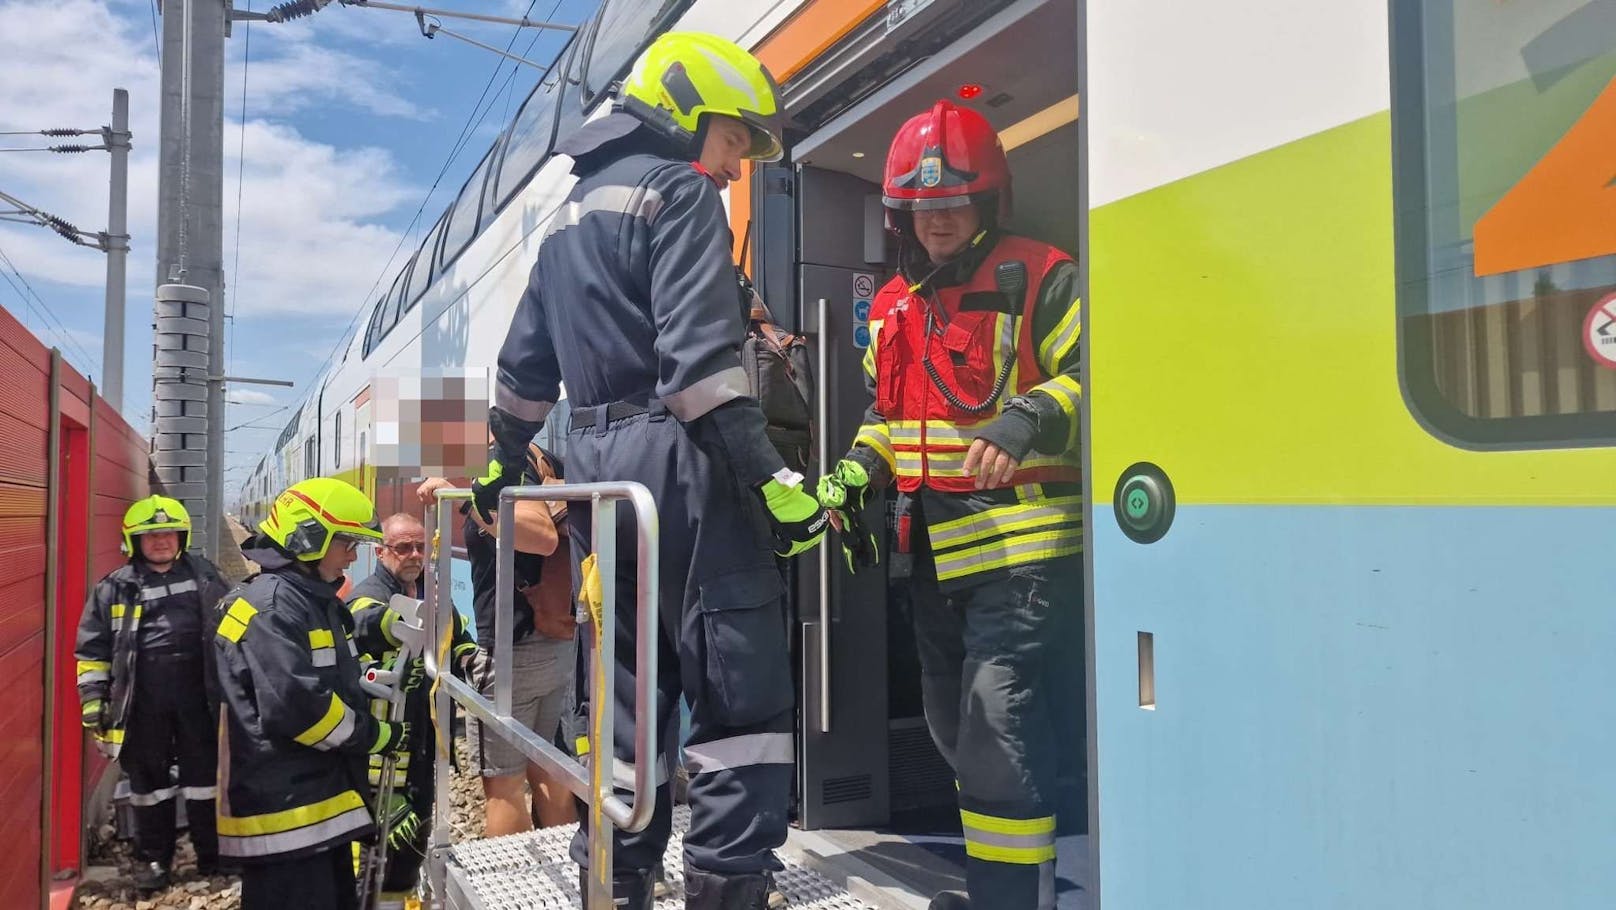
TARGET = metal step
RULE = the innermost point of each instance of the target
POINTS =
(533, 871)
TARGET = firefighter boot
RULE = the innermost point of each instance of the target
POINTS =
(630, 889)
(151, 877)
(950, 900)
(712, 891)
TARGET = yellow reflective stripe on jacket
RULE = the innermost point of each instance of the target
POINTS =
(876, 437)
(1021, 841)
(1005, 520)
(233, 625)
(1067, 392)
(869, 352)
(951, 463)
(332, 730)
(90, 671)
(322, 648)
(1004, 552)
(275, 833)
(1055, 347)
(112, 735)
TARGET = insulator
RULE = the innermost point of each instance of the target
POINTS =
(297, 9)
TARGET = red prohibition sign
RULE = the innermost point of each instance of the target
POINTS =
(1599, 332)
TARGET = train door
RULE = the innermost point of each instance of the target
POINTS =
(1351, 415)
(867, 766)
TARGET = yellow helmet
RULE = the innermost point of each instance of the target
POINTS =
(311, 513)
(684, 75)
(155, 513)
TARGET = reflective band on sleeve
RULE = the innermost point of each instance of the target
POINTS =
(332, 730)
(1067, 392)
(234, 623)
(321, 638)
(1055, 347)
(1022, 841)
(324, 657)
(199, 794)
(153, 798)
(623, 773)
(739, 752)
(506, 399)
(875, 436)
(703, 395)
(90, 671)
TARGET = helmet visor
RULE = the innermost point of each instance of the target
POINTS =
(766, 133)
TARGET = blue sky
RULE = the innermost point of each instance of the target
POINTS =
(350, 116)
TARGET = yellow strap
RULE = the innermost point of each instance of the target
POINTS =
(90, 666)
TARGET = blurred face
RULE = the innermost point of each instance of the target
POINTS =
(404, 549)
(946, 232)
(727, 140)
(338, 557)
(159, 548)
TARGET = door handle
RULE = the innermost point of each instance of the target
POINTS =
(826, 566)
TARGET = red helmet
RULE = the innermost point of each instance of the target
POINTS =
(949, 156)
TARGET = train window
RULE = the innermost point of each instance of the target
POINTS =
(530, 134)
(1503, 115)
(422, 275)
(462, 219)
(625, 28)
(373, 331)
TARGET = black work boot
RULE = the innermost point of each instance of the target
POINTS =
(950, 900)
(630, 889)
(777, 898)
(151, 877)
(713, 891)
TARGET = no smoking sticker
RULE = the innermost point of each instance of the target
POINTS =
(1599, 332)
(863, 285)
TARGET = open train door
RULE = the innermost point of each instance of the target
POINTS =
(1351, 416)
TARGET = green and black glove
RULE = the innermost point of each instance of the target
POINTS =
(93, 715)
(401, 822)
(798, 521)
(392, 736)
(844, 491)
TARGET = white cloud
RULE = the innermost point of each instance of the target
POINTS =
(250, 397)
(310, 232)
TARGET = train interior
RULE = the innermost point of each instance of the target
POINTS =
(870, 781)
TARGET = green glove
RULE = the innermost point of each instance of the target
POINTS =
(401, 823)
(93, 715)
(392, 736)
(799, 523)
(844, 491)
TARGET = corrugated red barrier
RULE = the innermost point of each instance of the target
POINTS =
(100, 467)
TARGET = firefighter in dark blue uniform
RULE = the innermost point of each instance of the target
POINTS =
(633, 303)
(298, 726)
(146, 684)
(399, 568)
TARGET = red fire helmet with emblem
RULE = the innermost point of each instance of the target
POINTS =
(948, 156)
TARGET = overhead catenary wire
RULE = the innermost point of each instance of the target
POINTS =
(44, 312)
(473, 120)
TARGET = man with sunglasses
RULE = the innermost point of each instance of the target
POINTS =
(400, 563)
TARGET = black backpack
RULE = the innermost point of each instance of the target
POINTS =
(781, 377)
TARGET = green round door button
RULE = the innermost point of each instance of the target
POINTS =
(1144, 503)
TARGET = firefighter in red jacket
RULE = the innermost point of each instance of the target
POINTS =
(973, 363)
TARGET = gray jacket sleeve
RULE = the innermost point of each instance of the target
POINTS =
(528, 379)
(700, 323)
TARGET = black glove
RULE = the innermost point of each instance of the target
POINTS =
(511, 437)
(414, 675)
(400, 821)
(394, 737)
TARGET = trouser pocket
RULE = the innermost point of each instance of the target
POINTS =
(748, 665)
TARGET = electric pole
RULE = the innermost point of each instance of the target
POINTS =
(190, 253)
(117, 141)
